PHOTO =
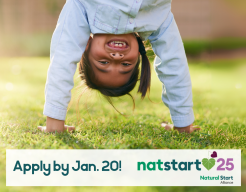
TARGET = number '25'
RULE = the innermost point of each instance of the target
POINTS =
(229, 164)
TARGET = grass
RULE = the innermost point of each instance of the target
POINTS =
(219, 92)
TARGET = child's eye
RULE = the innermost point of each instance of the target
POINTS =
(103, 62)
(126, 64)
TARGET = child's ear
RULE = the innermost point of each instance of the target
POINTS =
(88, 43)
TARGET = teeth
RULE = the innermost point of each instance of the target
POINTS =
(118, 44)
(122, 42)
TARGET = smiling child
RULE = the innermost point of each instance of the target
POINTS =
(111, 58)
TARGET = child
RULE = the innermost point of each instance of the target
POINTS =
(111, 58)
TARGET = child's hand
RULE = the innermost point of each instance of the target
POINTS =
(188, 129)
(167, 126)
(53, 125)
(66, 127)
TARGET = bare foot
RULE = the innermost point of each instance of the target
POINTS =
(66, 127)
(188, 129)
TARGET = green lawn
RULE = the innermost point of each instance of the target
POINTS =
(219, 92)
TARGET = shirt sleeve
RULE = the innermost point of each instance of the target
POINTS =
(172, 70)
(67, 46)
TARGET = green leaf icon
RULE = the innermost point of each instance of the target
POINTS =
(208, 163)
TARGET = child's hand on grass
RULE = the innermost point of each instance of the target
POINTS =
(53, 125)
(167, 126)
(188, 129)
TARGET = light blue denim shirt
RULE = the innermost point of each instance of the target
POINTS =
(152, 19)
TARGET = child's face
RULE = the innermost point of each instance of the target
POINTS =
(113, 58)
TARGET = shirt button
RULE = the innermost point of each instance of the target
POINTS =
(131, 21)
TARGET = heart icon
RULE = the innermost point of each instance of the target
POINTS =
(214, 154)
(208, 163)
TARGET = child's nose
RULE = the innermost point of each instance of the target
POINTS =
(117, 56)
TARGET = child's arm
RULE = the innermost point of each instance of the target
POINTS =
(67, 46)
(172, 69)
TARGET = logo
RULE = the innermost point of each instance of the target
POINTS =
(226, 164)
(209, 163)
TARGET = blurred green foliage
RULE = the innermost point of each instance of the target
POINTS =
(25, 45)
(194, 48)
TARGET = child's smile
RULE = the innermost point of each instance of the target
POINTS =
(118, 44)
(113, 58)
